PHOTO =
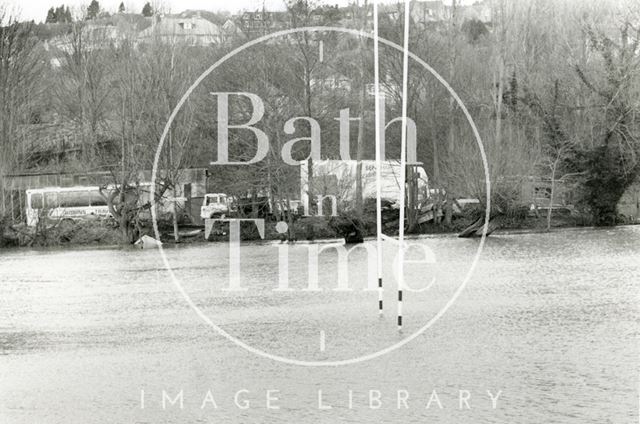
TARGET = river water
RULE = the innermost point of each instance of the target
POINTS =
(547, 326)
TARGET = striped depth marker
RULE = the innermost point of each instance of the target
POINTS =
(403, 158)
(400, 309)
(380, 296)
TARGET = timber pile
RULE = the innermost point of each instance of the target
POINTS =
(353, 228)
(390, 214)
(476, 229)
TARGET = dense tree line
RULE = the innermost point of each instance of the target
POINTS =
(551, 85)
(62, 14)
(59, 15)
(147, 10)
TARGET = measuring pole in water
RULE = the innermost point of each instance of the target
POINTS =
(376, 59)
(403, 160)
(175, 200)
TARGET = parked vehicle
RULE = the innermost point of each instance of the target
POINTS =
(338, 178)
(65, 203)
(86, 202)
(214, 205)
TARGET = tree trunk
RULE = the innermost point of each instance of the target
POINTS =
(176, 236)
(448, 209)
(360, 149)
(310, 187)
(2, 206)
(499, 95)
(291, 231)
(551, 195)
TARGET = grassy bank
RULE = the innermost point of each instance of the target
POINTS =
(106, 232)
(65, 232)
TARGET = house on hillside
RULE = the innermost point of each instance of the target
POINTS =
(479, 11)
(231, 31)
(435, 11)
(428, 12)
(331, 83)
(90, 37)
(96, 34)
(192, 31)
(255, 24)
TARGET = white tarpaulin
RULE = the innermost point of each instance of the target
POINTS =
(338, 178)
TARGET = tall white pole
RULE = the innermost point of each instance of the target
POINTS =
(403, 159)
(376, 85)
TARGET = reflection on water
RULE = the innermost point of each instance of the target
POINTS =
(550, 320)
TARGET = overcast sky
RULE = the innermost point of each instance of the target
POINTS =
(37, 9)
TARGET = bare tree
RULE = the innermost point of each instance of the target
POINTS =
(84, 85)
(613, 164)
(20, 70)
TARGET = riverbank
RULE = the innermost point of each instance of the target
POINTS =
(307, 229)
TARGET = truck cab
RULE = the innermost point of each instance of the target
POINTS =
(214, 205)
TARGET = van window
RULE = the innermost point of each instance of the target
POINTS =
(50, 200)
(73, 199)
(36, 201)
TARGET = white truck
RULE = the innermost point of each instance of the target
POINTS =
(338, 178)
(214, 205)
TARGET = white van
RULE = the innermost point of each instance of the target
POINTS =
(65, 203)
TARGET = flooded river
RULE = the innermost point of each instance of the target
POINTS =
(546, 330)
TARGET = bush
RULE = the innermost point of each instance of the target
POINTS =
(5, 240)
(607, 178)
(67, 231)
